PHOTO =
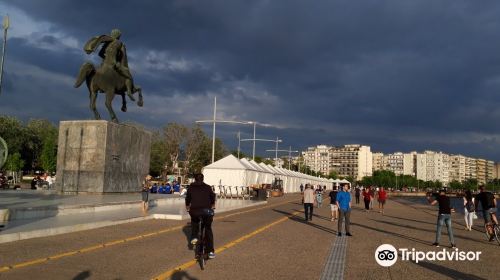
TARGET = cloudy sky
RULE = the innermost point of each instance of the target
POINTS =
(398, 75)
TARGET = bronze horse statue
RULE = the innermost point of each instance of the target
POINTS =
(109, 78)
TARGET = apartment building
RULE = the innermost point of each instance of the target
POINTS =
(481, 170)
(352, 161)
(348, 161)
(400, 163)
(318, 158)
(435, 166)
(378, 161)
(457, 168)
(470, 168)
(496, 170)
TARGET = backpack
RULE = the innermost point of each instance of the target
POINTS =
(469, 205)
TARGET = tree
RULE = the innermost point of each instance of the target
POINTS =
(333, 175)
(158, 155)
(175, 134)
(48, 157)
(194, 143)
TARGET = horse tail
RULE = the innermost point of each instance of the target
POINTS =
(87, 71)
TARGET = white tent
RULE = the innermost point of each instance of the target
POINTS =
(228, 171)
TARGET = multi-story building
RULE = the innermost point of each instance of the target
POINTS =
(318, 158)
(490, 170)
(394, 162)
(352, 161)
(436, 167)
(496, 170)
(457, 168)
(421, 166)
(470, 168)
(378, 161)
(481, 170)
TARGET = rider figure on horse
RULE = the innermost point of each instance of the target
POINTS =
(116, 49)
(113, 50)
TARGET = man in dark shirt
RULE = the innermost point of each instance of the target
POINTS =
(444, 216)
(488, 204)
(357, 194)
(333, 204)
(200, 202)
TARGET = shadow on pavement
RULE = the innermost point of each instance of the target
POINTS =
(454, 274)
(82, 275)
(409, 220)
(434, 231)
(182, 275)
(394, 234)
(403, 226)
(187, 232)
(301, 220)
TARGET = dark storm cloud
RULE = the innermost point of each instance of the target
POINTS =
(389, 74)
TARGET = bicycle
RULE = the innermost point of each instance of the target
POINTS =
(495, 229)
(200, 252)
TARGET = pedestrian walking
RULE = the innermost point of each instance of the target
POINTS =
(301, 188)
(382, 197)
(357, 193)
(146, 187)
(366, 198)
(444, 216)
(344, 205)
(333, 204)
(469, 209)
(309, 199)
(319, 196)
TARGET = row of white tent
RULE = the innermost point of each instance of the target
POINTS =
(231, 171)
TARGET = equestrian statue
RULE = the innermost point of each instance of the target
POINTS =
(113, 75)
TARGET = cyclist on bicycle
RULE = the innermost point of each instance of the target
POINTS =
(200, 202)
(489, 205)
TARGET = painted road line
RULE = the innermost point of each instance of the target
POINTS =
(334, 266)
(190, 263)
(124, 240)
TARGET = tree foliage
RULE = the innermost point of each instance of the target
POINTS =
(35, 143)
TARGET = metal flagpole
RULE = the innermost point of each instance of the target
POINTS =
(6, 24)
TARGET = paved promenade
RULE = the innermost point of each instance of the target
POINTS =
(263, 242)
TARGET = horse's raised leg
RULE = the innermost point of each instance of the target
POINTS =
(140, 103)
(130, 87)
(109, 102)
(93, 107)
(124, 103)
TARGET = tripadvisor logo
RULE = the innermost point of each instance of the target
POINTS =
(386, 255)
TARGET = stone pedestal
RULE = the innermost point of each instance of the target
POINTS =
(101, 157)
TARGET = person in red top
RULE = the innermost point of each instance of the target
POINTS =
(367, 198)
(382, 197)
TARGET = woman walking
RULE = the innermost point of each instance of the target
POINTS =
(146, 186)
(367, 198)
(469, 209)
(319, 196)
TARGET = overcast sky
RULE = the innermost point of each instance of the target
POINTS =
(397, 75)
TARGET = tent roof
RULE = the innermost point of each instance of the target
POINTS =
(229, 162)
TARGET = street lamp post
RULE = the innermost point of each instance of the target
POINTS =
(214, 121)
(266, 140)
(6, 24)
(289, 154)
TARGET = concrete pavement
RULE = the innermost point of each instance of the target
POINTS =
(262, 242)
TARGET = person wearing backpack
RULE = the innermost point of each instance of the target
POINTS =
(469, 209)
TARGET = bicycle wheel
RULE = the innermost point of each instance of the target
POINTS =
(496, 233)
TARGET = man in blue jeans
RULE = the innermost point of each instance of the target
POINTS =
(344, 205)
(444, 216)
